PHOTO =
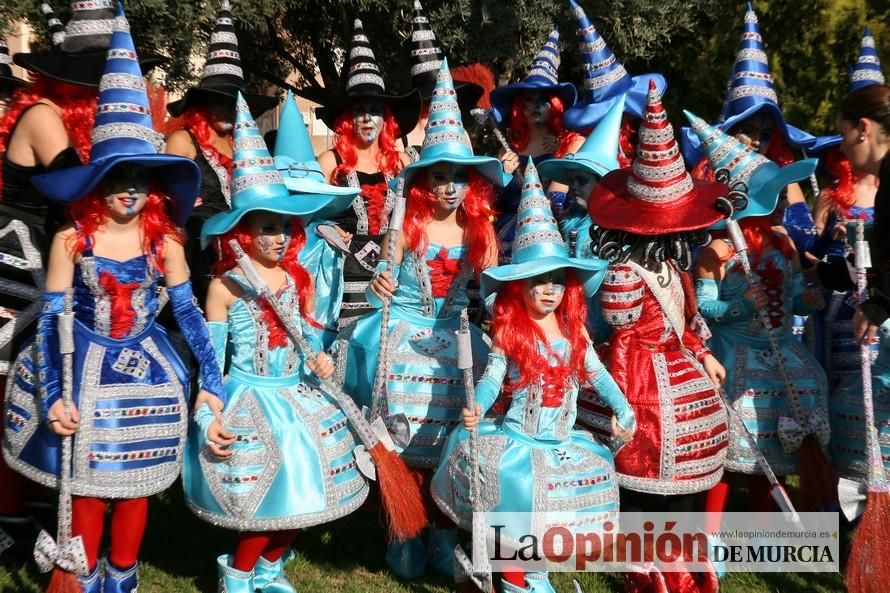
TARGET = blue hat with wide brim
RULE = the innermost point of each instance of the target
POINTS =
(763, 178)
(256, 183)
(122, 134)
(605, 79)
(446, 141)
(598, 154)
(539, 247)
(295, 161)
(542, 76)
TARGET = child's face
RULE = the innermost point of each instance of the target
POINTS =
(449, 185)
(543, 294)
(126, 190)
(270, 236)
(582, 182)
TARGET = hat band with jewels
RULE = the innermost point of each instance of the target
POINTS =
(443, 137)
(250, 143)
(424, 67)
(360, 79)
(223, 37)
(126, 131)
(361, 52)
(867, 75)
(5, 60)
(661, 172)
(868, 41)
(223, 70)
(122, 81)
(752, 36)
(425, 51)
(89, 28)
(526, 240)
(751, 54)
(253, 179)
(219, 54)
(660, 196)
(93, 5)
(607, 79)
(741, 92)
(423, 36)
(763, 76)
(122, 108)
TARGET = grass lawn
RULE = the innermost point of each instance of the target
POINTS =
(346, 557)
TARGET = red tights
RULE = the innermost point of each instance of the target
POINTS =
(759, 497)
(128, 518)
(271, 545)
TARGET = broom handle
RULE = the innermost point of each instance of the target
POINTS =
(875, 464)
(66, 346)
(353, 414)
(379, 407)
(741, 248)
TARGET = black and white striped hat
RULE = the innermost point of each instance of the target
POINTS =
(7, 80)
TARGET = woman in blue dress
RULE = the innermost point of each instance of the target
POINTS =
(288, 461)
(447, 239)
(129, 387)
(532, 460)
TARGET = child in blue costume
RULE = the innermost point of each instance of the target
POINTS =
(754, 382)
(287, 458)
(533, 460)
(447, 238)
(130, 387)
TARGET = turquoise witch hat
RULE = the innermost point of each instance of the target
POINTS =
(256, 183)
(295, 160)
(867, 70)
(538, 247)
(751, 90)
(122, 133)
(598, 154)
(763, 178)
(446, 141)
(605, 79)
(542, 76)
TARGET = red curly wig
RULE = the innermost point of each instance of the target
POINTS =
(519, 336)
(759, 235)
(91, 212)
(475, 214)
(289, 263)
(520, 131)
(196, 121)
(78, 105)
(843, 178)
(388, 160)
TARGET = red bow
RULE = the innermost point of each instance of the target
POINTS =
(442, 272)
(122, 313)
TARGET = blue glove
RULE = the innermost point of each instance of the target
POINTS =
(489, 386)
(608, 389)
(379, 269)
(707, 293)
(194, 330)
(49, 360)
(204, 417)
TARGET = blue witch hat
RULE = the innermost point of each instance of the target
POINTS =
(763, 178)
(598, 154)
(605, 79)
(751, 90)
(122, 133)
(539, 247)
(865, 72)
(256, 183)
(542, 76)
(445, 139)
(295, 160)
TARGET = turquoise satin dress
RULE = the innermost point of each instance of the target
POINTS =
(753, 381)
(422, 379)
(293, 463)
(533, 460)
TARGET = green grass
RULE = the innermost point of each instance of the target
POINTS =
(179, 553)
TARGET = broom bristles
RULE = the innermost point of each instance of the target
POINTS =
(868, 570)
(400, 494)
(478, 74)
(63, 581)
(818, 480)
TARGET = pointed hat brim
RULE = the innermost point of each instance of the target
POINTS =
(83, 69)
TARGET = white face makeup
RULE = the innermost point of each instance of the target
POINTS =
(449, 185)
(536, 106)
(367, 119)
(270, 236)
(126, 190)
(581, 182)
(544, 293)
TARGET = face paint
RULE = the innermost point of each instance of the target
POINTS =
(367, 119)
(271, 235)
(581, 183)
(449, 184)
(126, 190)
(537, 107)
(544, 293)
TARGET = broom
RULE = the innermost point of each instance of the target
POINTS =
(818, 480)
(480, 75)
(399, 491)
(868, 569)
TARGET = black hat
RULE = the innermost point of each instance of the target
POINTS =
(426, 59)
(364, 83)
(7, 80)
(222, 74)
(79, 49)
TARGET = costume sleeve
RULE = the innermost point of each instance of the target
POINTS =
(204, 418)
(489, 386)
(219, 339)
(325, 264)
(381, 267)
(49, 360)
(800, 226)
(707, 294)
(622, 296)
(606, 387)
(194, 329)
(558, 203)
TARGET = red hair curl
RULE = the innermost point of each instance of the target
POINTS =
(516, 333)
(475, 214)
(843, 178)
(759, 235)
(196, 121)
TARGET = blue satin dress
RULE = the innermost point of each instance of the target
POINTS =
(753, 382)
(532, 460)
(292, 464)
(130, 392)
(422, 378)
(848, 450)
